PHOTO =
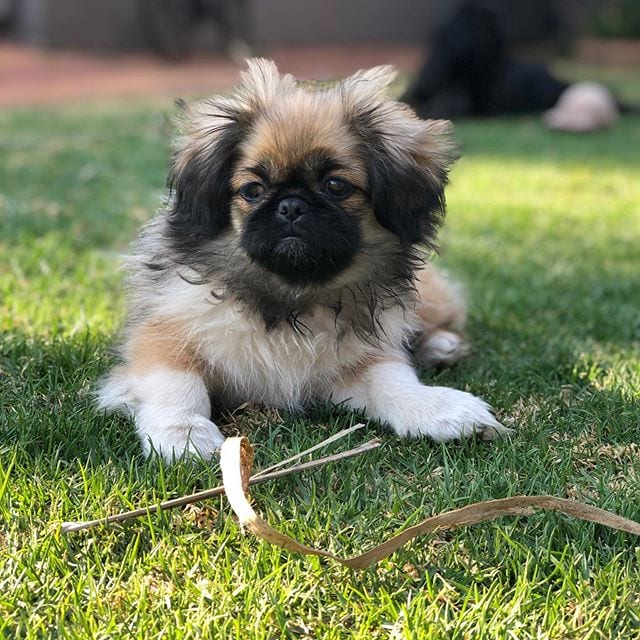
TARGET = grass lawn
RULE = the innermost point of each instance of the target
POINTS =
(543, 229)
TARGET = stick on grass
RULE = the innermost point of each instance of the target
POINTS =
(263, 476)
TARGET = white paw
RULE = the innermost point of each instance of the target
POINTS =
(444, 414)
(185, 436)
(442, 347)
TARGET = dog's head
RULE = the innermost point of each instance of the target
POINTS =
(304, 178)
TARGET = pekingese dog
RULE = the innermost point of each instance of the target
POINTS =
(288, 265)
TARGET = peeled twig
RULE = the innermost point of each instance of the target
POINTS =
(259, 478)
(235, 462)
(320, 445)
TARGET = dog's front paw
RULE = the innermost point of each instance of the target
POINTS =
(444, 414)
(193, 436)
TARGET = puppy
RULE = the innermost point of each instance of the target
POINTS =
(287, 265)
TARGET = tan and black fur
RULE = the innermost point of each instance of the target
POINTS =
(288, 266)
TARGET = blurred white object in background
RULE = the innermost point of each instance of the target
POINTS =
(585, 106)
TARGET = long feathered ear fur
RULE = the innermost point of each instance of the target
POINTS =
(408, 158)
(206, 150)
(201, 169)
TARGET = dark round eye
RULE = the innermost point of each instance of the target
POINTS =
(338, 187)
(251, 191)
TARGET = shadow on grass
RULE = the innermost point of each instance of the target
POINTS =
(91, 176)
(47, 406)
(47, 415)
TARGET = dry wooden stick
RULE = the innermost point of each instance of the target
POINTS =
(68, 527)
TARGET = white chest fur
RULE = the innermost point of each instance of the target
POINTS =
(283, 366)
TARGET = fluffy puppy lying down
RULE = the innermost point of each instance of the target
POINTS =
(287, 266)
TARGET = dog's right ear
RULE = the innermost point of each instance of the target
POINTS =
(202, 161)
(206, 151)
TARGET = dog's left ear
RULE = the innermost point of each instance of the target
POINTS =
(408, 158)
(407, 184)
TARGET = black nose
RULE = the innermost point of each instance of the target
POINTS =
(292, 208)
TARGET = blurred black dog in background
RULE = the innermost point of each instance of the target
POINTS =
(469, 72)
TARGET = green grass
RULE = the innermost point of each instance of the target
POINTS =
(543, 229)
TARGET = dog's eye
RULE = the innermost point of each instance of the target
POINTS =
(251, 191)
(338, 187)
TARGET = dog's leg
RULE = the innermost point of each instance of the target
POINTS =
(162, 389)
(442, 310)
(388, 390)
